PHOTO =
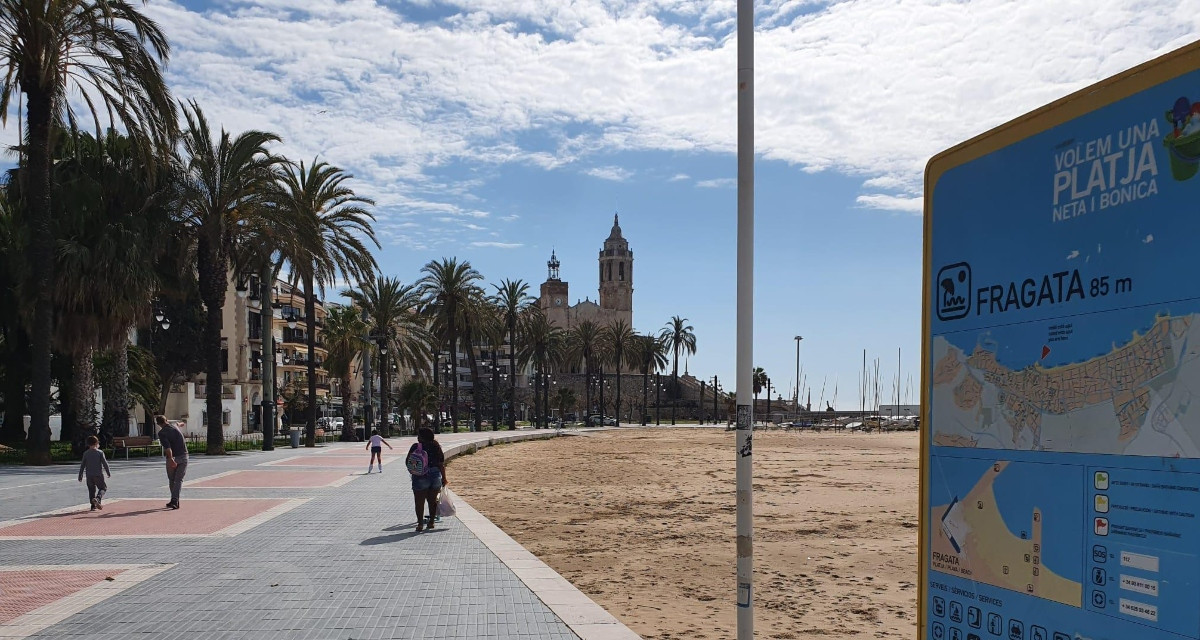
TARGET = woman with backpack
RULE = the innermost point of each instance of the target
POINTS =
(427, 464)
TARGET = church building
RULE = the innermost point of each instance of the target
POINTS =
(616, 288)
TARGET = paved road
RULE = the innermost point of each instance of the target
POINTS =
(337, 559)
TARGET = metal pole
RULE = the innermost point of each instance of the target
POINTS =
(715, 387)
(796, 400)
(658, 400)
(267, 317)
(745, 319)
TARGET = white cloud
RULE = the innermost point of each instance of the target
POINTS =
(616, 174)
(868, 88)
(498, 245)
(679, 176)
(1148, 239)
(717, 183)
(510, 218)
(1074, 254)
(907, 204)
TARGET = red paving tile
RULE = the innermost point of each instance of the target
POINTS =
(143, 517)
(26, 590)
(273, 479)
(338, 460)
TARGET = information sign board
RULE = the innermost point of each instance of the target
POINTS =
(1060, 476)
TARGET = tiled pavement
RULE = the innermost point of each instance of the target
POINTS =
(304, 554)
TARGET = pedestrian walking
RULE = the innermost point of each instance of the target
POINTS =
(376, 447)
(427, 464)
(94, 466)
(175, 450)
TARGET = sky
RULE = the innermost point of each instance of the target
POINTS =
(497, 131)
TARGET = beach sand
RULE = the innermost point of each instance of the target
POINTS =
(643, 522)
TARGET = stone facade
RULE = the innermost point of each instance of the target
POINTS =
(615, 290)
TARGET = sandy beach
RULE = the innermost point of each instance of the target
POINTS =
(642, 521)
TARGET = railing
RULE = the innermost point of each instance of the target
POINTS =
(226, 391)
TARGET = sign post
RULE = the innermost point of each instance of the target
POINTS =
(1060, 441)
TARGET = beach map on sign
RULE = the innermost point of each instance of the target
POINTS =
(1126, 401)
(1000, 530)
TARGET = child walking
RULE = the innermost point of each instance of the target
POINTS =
(376, 447)
(95, 466)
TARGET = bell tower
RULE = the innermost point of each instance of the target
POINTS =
(553, 300)
(616, 275)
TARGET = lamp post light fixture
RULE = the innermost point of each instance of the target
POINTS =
(796, 397)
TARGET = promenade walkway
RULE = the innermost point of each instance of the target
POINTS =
(289, 544)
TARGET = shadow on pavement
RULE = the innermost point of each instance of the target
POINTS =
(396, 537)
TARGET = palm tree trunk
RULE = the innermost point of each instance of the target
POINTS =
(512, 373)
(40, 112)
(546, 406)
(495, 393)
(674, 387)
(84, 394)
(537, 386)
(212, 268)
(454, 381)
(587, 369)
(116, 393)
(476, 416)
(310, 314)
(618, 392)
(385, 405)
(645, 391)
(347, 423)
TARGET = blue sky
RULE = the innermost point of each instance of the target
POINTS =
(496, 130)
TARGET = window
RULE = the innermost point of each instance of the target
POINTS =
(621, 270)
(224, 360)
(226, 416)
(610, 272)
(601, 272)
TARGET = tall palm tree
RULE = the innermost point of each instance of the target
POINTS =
(619, 346)
(650, 354)
(542, 344)
(226, 182)
(106, 52)
(448, 288)
(394, 322)
(512, 296)
(679, 337)
(320, 198)
(344, 330)
(585, 346)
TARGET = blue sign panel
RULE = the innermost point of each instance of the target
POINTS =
(1061, 469)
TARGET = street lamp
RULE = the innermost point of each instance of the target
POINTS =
(160, 320)
(796, 399)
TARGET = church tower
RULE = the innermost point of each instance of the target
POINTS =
(553, 300)
(616, 276)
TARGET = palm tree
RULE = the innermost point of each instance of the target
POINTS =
(106, 52)
(111, 208)
(396, 328)
(585, 346)
(679, 337)
(320, 198)
(344, 330)
(491, 330)
(447, 289)
(420, 398)
(512, 296)
(542, 344)
(619, 346)
(650, 354)
(225, 186)
(759, 380)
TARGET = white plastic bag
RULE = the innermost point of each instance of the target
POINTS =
(446, 503)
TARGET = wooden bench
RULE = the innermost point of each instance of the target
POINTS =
(135, 442)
